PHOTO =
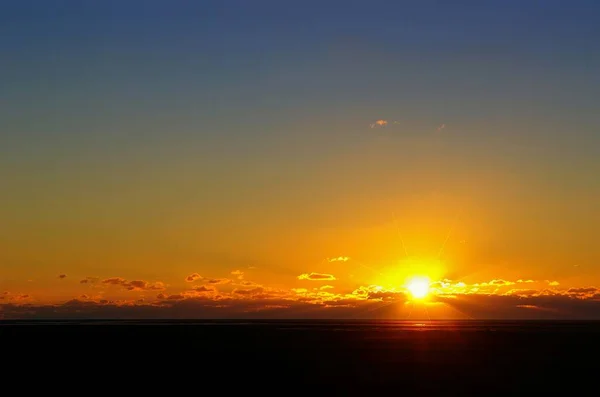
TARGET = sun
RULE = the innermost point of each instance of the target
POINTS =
(418, 287)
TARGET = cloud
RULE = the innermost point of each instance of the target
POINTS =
(89, 280)
(204, 288)
(535, 306)
(171, 297)
(219, 281)
(205, 302)
(316, 277)
(494, 299)
(522, 292)
(238, 273)
(338, 259)
(495, 282)
(582, 293)
(181, 307)
(135, 285)
(193, 277)
(196, 277)
(10, 297)
(379, 124)
(249, 292)
(496, 286)
(364, 302)
(62, 276)
(248, 283)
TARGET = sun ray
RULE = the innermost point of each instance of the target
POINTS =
(399, 234)
(441, 251)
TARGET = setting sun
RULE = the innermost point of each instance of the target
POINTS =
(418, 287)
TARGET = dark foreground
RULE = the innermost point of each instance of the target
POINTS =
(285, 357)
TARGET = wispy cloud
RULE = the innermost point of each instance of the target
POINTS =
(339, 259)
(382, 123)
(316, 277)
(379, 124)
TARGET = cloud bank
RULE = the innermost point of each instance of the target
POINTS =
(240, 298)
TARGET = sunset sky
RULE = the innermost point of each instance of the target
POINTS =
(232, 158)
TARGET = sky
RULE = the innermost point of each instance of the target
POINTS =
(299, 159)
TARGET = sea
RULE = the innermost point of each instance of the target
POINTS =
(272, 357)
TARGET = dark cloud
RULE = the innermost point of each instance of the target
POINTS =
(205, 288)
(263, 303)
(61, 276)
(135, 285)
(178, 306)
(587, 292)
(247, 283)
(218, 281)
(387, 295)
(540, 306)
(10, 297)
(89, 280)
(193, 277)
(114, 281)
(249, 292)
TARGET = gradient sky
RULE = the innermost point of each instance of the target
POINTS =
(142, 142)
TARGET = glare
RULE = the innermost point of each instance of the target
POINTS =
(418, 287)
